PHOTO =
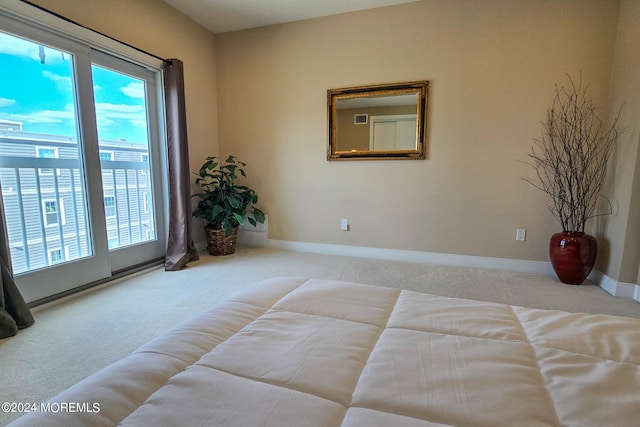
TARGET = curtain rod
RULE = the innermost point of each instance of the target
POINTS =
(64, 18)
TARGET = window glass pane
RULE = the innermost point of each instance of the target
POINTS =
(46, 153)
(121, 113)
(50, 111)
(110, 206)
(106, 155)
(38, 134)
(50, 213)
(55, 255)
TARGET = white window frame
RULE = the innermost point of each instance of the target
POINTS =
(54, 149)
(47, 171)
(50, 256)
(64, 255)
(45, 214)
(59, 210)
(88, 47)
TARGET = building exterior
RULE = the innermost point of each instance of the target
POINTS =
(43, 192)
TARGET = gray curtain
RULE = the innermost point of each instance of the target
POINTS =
(14, 313)
(180, 247)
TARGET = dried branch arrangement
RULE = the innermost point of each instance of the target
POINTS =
(571, 156)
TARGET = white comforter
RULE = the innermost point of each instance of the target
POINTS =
(297, 352)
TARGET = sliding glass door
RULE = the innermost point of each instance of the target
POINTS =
(126, 110)
(79, 161)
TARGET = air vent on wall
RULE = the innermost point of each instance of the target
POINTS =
(360, 119)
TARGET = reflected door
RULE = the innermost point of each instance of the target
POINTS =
(393, 132)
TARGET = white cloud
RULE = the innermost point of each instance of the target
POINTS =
(45, 116)
(5, 102)
(108, 113)
(134, 90)
(63, 83)
(118, 110)
(25, 49)
(104, 122)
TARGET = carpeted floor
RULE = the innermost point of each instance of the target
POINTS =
(77, 336)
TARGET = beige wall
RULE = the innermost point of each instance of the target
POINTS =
(621, 255)
(492, 66)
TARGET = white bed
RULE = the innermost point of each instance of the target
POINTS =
(297, 352)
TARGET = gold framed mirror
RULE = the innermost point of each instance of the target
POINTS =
(378, 122)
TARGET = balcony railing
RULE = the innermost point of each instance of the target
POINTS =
(47, 212)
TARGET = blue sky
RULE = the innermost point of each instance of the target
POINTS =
(40, 95)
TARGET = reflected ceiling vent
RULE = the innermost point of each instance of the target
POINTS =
(360, 119)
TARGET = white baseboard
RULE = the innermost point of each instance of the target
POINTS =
(251, 236)
(248, 236)
(614, 287)
(538, 267)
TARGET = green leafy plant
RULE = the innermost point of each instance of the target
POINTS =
(223, 203)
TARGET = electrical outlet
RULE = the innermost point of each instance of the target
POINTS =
(521, 234)
(344, 224)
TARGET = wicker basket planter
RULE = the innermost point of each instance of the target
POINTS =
(218, 243)
(224, 204)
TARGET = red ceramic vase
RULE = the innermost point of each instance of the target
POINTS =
(572, 256)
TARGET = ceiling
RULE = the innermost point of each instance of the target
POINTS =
(220, 16)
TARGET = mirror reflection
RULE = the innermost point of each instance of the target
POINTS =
(377, 122)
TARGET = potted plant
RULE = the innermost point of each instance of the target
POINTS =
(570, 161)
(224, 204)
